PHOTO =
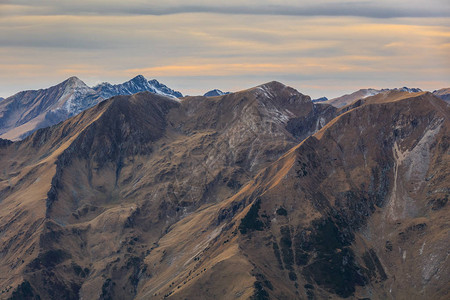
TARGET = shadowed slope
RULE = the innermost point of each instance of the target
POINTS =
(145, 197)
(110, 182)
(356, 210)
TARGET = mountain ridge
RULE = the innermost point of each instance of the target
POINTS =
(364, 93)
(137, 84)
(258, 193)
(223, 154)
(27, 111)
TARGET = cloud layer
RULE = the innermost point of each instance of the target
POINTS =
(325, 49)
(360, 8)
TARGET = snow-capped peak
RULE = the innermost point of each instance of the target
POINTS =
(75, 90)
(135, 85)
(138, 80)
(74, 82)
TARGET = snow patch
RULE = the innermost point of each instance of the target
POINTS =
(421, 249)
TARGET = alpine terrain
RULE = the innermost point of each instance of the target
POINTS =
(444, 94)
(364, 93)
(257, 194)
(27, 111)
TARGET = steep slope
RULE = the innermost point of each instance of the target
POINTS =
(33, 172)
(444, 94)
(355, 210)
(106, 186)
(27, 171)
(364, 93)
(144, 197)
(28, 111)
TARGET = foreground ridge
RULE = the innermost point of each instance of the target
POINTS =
(256, 194)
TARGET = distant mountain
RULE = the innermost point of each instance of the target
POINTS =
(215, 92)
(1, 98)
(133, 86)
(322, 99)
(407, 89)
(444, 94)
(364, 93)
(27, 111)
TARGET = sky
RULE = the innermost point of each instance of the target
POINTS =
(321, 48)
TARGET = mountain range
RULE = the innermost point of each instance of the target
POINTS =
(257, 194)
(27, 111)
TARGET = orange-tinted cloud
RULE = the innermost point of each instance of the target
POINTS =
(202, 51)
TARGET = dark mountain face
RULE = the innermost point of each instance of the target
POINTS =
(365, 206)
(215, 92)
(321, 99)
(256, 194)
(28, 111)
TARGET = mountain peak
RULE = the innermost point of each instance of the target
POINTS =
(139, 78)
(73, 79)
(74, 82)
(273, 88)
(215, 92)
(154, 82)
(272, 85)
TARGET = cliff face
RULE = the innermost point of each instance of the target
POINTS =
(356, 213)
(256, 194)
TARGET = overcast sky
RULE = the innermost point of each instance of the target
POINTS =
(322, 48)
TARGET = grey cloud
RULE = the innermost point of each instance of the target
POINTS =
(371, 9)
(339, 9)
